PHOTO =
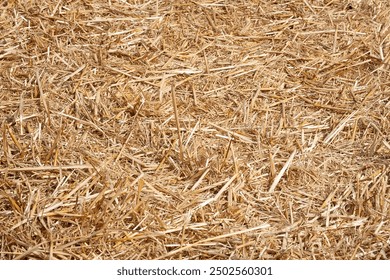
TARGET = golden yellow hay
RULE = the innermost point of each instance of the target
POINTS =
(195, 129)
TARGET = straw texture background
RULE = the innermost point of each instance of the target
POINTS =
(194, 129)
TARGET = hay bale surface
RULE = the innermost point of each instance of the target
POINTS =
(194, 129)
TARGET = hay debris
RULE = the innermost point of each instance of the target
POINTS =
(194, 130)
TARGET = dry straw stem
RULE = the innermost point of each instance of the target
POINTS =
(194, 129)
(177, 122)
(282, 171)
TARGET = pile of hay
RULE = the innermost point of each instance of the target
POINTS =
(195, 129)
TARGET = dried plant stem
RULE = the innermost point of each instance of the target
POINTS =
(173, 94)
(282, 171)
(263, 226)
(42, 96)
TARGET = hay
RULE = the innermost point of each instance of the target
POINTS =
(194, 129)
